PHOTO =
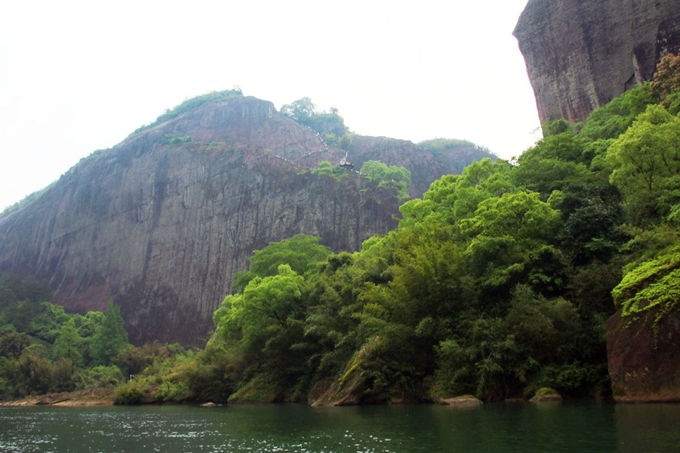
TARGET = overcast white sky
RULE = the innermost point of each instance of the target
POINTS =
(76, 76)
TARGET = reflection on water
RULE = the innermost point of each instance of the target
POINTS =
(648, 427)
(575, 427)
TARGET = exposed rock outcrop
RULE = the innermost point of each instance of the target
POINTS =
(643, 360)
(580, 54)
(162, 221)
(260, 390)
(92, 397)
(546, 395)
(351, 391)
(461, 401)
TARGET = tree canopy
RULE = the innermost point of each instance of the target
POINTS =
(330, 124)
(388, 176)
(497, 282)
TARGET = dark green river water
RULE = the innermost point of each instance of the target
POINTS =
(497, 428)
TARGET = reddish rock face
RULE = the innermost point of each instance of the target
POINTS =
(644, 366)
(580, 54)
(161, 228)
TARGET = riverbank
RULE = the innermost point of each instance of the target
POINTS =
(96, 397)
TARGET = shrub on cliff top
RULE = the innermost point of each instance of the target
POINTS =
(191, 104)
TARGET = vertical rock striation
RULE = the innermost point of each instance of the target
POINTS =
(161, 222)
(580, 54)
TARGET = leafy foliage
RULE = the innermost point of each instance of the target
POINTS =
(301, 252)
(330, 125)
(129, 394)
(456, 153)
(645, 163)
(111, 337)
(388, 176)
(613, 119)
(326, 168)
(498, 283)
(69, 343)
(44, 349)
(175, 139)
(666, 82)
(653, 286)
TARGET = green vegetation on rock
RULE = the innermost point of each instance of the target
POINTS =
(330, 125)
(388, 176)
(497, 283)
(191, 104)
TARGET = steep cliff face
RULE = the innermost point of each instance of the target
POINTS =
(580, 54)
(160, 223)
(643, 359)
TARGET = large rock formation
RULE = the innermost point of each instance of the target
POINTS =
(161, 222)
(580, 54)
(644, 360)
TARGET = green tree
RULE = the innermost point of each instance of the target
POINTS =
(667, 78)
(111, 337)
(12, 344)
(614, 118)
(62, 376)
(301, 110)
(262, 325)
(69, 344)
(456, 197)
(47, 323)
(330, 124)
(592, 219)
(301, 252)
(87, 327)
(554, 163)
(266, 305)
(388, 176)
(645, 163)
(326, 168)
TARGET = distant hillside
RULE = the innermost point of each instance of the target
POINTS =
(455, 154)
(161, 222)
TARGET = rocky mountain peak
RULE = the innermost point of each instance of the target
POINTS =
(160, 222)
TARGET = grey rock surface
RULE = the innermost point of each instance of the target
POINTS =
(161, 228)
(580, 54)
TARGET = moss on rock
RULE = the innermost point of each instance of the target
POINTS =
(546, 394)
(259, 390)
(463, 400)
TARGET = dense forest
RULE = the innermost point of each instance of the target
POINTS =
(496, 283)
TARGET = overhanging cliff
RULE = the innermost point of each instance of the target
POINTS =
(580, 54)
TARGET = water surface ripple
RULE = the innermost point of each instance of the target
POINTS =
(555, 428)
